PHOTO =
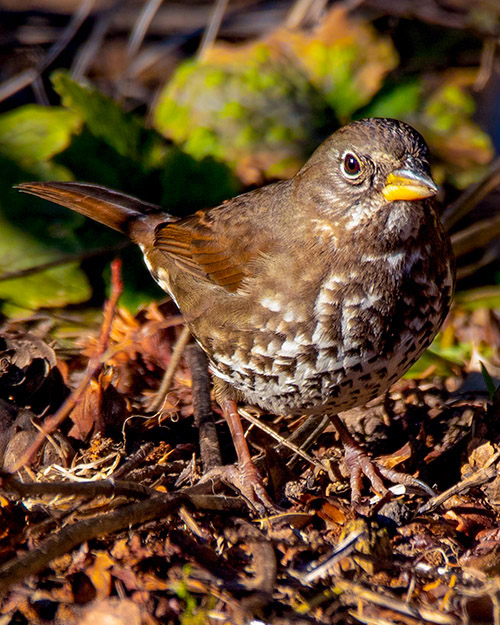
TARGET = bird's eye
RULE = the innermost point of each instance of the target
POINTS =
(351, 167)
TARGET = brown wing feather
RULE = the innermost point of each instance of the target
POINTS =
(199, 246)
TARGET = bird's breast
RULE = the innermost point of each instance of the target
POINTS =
(344, 342)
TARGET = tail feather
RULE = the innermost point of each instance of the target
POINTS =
(111, 208)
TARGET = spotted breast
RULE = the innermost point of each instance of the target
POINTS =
(315, 338)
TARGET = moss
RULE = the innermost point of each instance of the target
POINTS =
(214, 77)
(448, 107)
(172, 119)
(279, 134)
(204, 142)
(233, 110)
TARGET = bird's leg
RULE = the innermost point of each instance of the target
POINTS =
(245, 476)
(358, 463)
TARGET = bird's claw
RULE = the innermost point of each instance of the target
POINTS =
(248, 482)
(359, 464)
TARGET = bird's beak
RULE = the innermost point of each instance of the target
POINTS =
(408, 184)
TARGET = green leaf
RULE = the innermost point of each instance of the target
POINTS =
(441, 365)
(488, 380)
(93, 160)
(33, 232)
(484, 297)
(400, 101)
(32, 134)
(447, 123)
(345, 58)
(53, 288)
(189, 184)
(105, 119)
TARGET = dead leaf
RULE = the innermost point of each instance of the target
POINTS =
(99, 573)
(102, 410)
(28, 372)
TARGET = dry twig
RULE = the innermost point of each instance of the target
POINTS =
(202, 408)
(95, 363)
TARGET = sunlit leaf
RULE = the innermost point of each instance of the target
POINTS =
(33, 232)
(117, 150)
(33, 134)
(56, 287)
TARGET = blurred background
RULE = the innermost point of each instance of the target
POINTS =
(187, 103)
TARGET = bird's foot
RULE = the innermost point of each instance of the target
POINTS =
(247, 480)
(359, 464)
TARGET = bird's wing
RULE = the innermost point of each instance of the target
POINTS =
(219, 244)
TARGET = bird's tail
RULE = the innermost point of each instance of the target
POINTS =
(111, 208)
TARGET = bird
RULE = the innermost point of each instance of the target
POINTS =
(310, 295)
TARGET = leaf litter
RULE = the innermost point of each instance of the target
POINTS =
(123, 515)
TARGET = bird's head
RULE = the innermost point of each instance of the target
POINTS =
(372, 161)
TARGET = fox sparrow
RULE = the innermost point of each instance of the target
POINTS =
(309, 295)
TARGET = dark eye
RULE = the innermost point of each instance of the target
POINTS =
(351, 167)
